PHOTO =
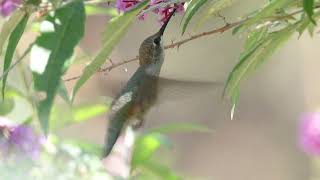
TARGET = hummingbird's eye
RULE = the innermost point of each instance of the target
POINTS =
(157, 40)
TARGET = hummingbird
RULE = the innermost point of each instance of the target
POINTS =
(140, 92)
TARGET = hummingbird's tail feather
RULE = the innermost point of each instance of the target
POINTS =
(117, 122)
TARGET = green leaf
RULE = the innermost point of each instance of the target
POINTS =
(86, 147)
(267, 11)
(145, 146)
(234, 100)
(115, 30)
(214, 8)
(12, 44)
(61, 31)
(33, 2)
(85, 112)
(9, 26)
(251, 58)
(255, 36)
(160, 170)
(192, 8)
(311, 29)
(308, 6)
(152, 140)
(6, 106)
(239, 27)
(63, 92)
(27, 121)
(12, 92)
(75, 114)
(180, 127)
(305, 23)
(96, 10)
(12, 101)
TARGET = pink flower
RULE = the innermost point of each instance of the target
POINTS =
(309, 133)
(142, 17)
(18, 140)
(8, 6)
(126, 5)
(165, 12)
(180, 7)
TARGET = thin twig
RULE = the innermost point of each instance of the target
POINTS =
(222, 29)
(17, 62)
(170, 46)
(97, 2)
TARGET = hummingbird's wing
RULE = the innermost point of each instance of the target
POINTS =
(173, 90)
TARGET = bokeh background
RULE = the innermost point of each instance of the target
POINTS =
(260, 143)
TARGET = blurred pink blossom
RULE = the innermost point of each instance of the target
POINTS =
(163, 12)
(126, 5)
(18, 140)
(166, 12)
(8, 6)
(309, 133)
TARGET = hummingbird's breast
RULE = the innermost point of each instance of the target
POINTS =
(145, 98)
(147, 93)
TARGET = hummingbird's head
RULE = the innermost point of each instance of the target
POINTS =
(151, 49)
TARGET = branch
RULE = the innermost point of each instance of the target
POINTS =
(222, 29)
(17, 62)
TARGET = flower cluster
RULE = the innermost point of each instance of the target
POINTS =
(8, 6)
(309, 133)
(18, 140)
(163, 12)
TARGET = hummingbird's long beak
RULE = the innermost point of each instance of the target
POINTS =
(163, 27)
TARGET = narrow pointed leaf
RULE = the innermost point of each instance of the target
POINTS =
(61, 31)
(9, 26)
(256, 55)
(267, 11)
(239, 27)
(234, 100)
(161, 171)
(255, 37)
(145, 146)
(6, 106)
(311, 29)
(12, 44)
(192, 8)
(308, 6)
(305, 23)
(75, 114)
(116, 29)
(63, 92)
(214, 8)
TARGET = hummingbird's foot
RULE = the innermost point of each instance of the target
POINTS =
(138, 123)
